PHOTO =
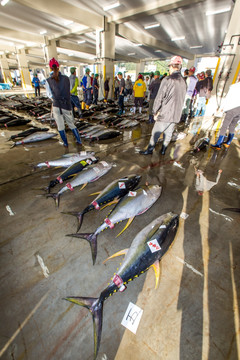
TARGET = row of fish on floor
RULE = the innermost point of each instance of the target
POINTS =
(130, 200)
(102, 120)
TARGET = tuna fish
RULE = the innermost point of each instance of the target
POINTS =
(132, 204)
(72, 171)
(201, 144)
(27, 132)
(38, 136)
(146, 250)
(105, 134)
(67, 160)
(17, 122)
(92, 173)
(109, 195)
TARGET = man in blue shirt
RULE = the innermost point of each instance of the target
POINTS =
(36, 84)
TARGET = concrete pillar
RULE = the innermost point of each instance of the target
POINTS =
(50, 51)
(228, 66)
(24, 70)
(105, 52)
(140, 68)
(5, 68)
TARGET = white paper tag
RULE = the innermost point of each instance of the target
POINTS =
(104, 163)
(132, 317)
(145, 193)
(121, 185)
(154, 245)
(83, 153)
(88, 161)
(132, 193)
(11, 213)
(184, 215)
(162, 227)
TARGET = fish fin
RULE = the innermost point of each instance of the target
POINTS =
(231, 209)
(95, 306)
(156, 268)
(79, 216)
(119, 253)
(55, 197)
(96, 193)
(110, 203)
(127, 225)
(92, 239)
(83, 186)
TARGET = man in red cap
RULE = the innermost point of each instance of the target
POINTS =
(191, 83)
(167, 106)
(58, 89)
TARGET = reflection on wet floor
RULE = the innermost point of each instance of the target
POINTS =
(194, 313)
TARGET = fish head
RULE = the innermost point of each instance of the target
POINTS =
(133, 181)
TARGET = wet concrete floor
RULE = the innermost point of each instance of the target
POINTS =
(194, 312)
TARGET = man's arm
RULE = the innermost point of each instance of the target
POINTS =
(160, 95)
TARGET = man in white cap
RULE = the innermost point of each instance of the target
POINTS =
(167, 106)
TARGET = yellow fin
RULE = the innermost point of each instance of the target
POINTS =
(110, 203)
(156, 268)
(119, 253)
(96, 193)
(127, 225)
(83, 186)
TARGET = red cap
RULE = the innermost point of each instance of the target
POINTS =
(202, 76)
(53, 62)
(175, 60)
(192, 69)
(140, 76)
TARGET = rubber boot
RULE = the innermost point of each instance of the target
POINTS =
(150, 119)
(163, 149)
(218, 145)
(77, 136)
(197, 113)
(229, 140)
(148, 151)
(87, 107)
(202, 113)
(140, 110)
(64, 137)
(83, 105)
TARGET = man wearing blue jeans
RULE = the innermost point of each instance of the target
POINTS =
(121, 93)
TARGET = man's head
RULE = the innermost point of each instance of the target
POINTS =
(147, 78)
(120, 75)
(128, 77)
(73, 70)
(54, 66)
(202, 76)
(175, 64)
(96, 76)
(192, 70)
(92, 75)
(157, 74)
(87, 71)
(186, 72)
(140, 76)
(208, 72)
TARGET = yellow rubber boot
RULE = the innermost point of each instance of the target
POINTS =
(83, 105)
(87, 107)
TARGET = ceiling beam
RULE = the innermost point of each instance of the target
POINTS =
(124, 58)
(20, 36)
(153, 8)
(74, 59)
(64, 44)
(66, 11)
(147, 40)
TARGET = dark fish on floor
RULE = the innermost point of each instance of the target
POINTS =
(146, 250)
(109, 195)
(17, 122)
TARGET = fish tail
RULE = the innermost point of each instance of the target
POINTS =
(232, 209)
(79, 216)
(56, 198)
(95, 306)
(92, 239)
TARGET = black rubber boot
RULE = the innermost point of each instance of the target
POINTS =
(148, 151)
(163, 149)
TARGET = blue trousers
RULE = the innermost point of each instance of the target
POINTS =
(88, 96)
(121, 102)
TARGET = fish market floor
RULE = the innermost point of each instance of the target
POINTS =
(194, 312)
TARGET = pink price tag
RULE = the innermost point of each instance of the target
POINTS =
(95, 204)
(109, 223)
(118, 281)
(122, 185)
(70, 186)
(59, 180)
(47, 163)
(154, 245)
(132, 193)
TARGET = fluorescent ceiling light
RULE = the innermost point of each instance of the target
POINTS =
(137, 44)
(131, 54)
(4, 2)
(151, 26)
(81, 41)
(71, 54)
(157, 51)
(43, 32)
(67, 22)
(112, 6)
(214, 12)
(196, 47)
(178, 38)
